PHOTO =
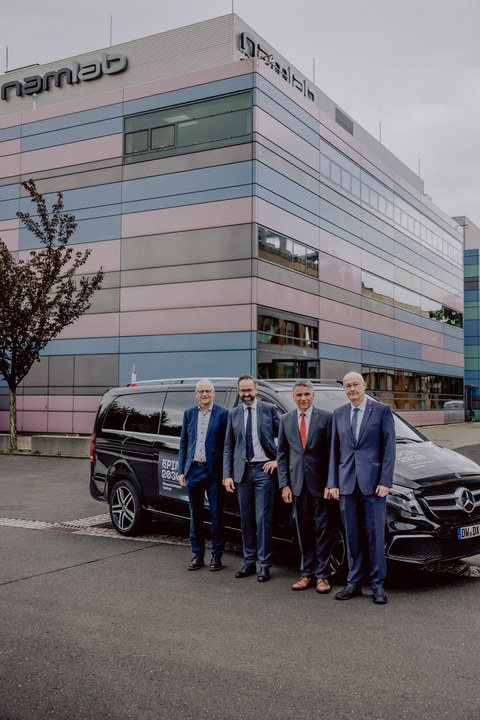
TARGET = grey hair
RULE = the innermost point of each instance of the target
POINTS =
(303, 383)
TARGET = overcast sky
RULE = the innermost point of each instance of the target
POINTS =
(411, 67)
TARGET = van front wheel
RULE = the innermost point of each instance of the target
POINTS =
(125, 508)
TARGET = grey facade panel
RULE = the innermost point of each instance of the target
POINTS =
(105, 301)
(103, 369)
(187, 273)
(198, 246)
(332, 292)
(61, 371)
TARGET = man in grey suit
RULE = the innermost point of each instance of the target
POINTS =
(248, 464)
(302, 458)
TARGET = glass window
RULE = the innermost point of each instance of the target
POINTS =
(163, 137)
(286, 252)
(210, 123)
(377, 288)
(175, 405)
(136, 141)
(139, 412)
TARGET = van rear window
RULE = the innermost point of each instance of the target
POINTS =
(135, 413)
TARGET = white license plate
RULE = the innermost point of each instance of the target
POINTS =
(472, 531)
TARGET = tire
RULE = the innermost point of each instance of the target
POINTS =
(125, 507)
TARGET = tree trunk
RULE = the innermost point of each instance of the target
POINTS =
(13, 419)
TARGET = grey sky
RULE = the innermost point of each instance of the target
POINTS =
(411, 66)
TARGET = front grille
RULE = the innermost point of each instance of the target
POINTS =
(425, 549)
(454, 504)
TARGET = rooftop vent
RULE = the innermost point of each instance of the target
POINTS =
(344, 121)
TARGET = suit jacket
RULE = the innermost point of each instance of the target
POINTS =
(213, 442)
(268, 421)
(295, 465)
(371, 460)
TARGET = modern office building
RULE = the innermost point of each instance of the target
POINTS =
(245, 222)
(471, 315)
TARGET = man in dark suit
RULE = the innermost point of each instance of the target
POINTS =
(200, 470)
(362, 462)
(302, 458)
(248, 464)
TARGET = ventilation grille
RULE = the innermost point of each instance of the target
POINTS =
(344, 121)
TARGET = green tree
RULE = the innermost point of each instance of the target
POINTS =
(40, 294)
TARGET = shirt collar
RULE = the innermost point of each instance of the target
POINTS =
(205, 411)
(361, 407)
(308, 412)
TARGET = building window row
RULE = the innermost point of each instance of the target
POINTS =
(218, 122)
(386, 291)
(286, 252)
(283, 331)
(404, 390)
(343, 173)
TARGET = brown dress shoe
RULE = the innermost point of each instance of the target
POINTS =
(323, 586)
(303, 583)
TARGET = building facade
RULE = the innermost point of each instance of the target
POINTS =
(244, 221)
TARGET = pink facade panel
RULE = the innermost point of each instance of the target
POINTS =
(10, 166)
(76, 153)
(60, 422)
(432, 354)
(282, 221)
(71, 106)
(181, 295)
(340, 249)
(9, 233)
(430, 337)
(83, 422)
(284, 137)
(163, 322)
(378, 323)
(340, 273)
(190, 217)
(91, 326)
(63, 403)
(103, 254)
(33, 421)
(337, 312)
(85, 403)
(405, 331)
(335, 334)
(288, 299)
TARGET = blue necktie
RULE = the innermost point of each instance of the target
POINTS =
(354, 423)
(249, 451)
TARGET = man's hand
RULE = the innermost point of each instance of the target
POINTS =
(287, 494)
(270, 466)
(181, 480)
(229, 484)
(382, 491)
(331, 494)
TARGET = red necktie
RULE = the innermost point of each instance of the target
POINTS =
(303, 430)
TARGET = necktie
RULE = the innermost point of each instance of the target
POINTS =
(303, 430)
(354, 422)
(249, 451)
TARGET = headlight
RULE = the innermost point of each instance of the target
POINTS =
(405, 500)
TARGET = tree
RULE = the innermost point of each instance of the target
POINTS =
(41, 294)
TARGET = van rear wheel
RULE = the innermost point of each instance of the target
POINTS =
(125, 507)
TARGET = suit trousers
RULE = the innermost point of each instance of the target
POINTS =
(314, 530)
(364, 518)
(200, 482)
(256, 494)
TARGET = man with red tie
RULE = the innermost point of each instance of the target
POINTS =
(302, 459)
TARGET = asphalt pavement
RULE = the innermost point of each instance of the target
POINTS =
(96, 626)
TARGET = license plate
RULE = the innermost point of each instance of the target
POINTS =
(472, 531)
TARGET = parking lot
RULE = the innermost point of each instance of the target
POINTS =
(94, 625)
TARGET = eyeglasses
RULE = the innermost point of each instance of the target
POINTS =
(204, 392)
(353, 386)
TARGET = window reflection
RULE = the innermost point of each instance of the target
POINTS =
(405, 390)
(286, 252)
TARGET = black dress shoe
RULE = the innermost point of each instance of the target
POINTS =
(196, 562)
(246, 570)
(349, 591)
(379, 597)
(264, 575)
(215, 563)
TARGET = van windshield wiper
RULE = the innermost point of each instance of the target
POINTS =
(408, 439)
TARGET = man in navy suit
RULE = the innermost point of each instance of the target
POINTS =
(302, 457)
(248, 464)
(362, 462)
(200, 470)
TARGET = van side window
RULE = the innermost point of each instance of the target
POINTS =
(135, 413)
(175, 405)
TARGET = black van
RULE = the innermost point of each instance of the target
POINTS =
(433, 509)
